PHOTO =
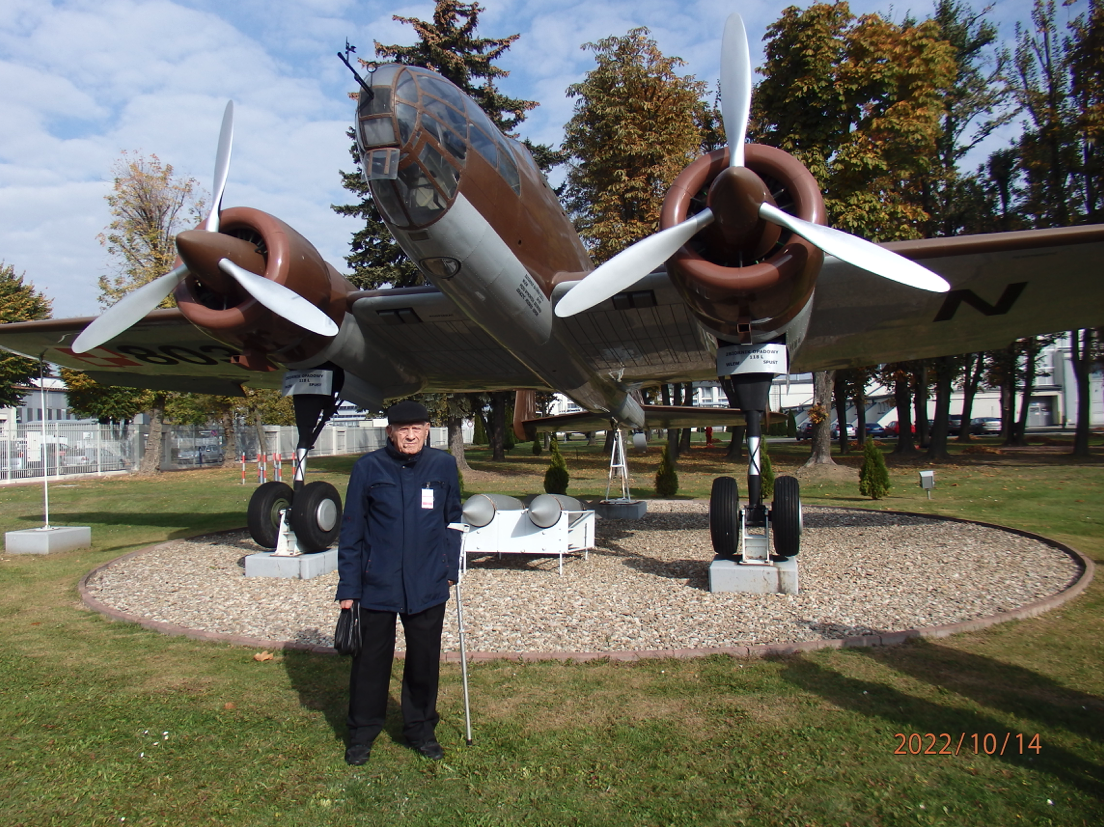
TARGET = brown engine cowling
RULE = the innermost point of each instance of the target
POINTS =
(746, 284)
(265, 245)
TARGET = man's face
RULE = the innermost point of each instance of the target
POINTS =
(408, 439)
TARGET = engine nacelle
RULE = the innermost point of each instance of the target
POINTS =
(215, 303)
(750, 292)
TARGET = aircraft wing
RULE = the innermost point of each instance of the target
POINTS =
(1004, 286)
(164, 351)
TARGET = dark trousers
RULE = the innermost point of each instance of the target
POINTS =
(370, 677)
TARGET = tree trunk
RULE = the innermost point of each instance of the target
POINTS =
(902, 395)
(496, 431)
(860, 415)
(937, 440)
(1081, 348)
(151, 457)
(921, 404)
(454, 421)
(736, 443)
(971, 381)
(1031, 354)
(839, 390)
(672, 433)
(229, 439)
(820, 452)
(687, 400)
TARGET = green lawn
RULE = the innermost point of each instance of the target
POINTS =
(807, 740)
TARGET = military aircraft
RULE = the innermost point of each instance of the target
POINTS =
(743, 282)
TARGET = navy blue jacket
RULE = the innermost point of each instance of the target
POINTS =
(396, 552)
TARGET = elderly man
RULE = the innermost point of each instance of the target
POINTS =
(398, 557)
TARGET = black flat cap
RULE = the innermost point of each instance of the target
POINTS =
(407, 412)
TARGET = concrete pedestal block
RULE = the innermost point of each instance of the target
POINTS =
(47, 540)
(621, 511)
(304, 567)
(776, 578)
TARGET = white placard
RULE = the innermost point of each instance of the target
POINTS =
(733, 360)
(317, 382)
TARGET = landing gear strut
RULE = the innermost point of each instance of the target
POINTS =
(305, 517)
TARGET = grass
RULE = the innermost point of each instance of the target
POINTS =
(806, 740)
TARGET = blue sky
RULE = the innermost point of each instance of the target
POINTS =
(82, 80)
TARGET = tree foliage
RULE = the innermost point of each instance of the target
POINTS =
(19, 302)
(149, 206)
(860, 102)
(666, 477)
(556, 478)
(873, 476)
(637, 123)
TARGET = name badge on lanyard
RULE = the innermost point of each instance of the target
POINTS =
(427, 498)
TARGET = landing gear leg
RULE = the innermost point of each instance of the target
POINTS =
(306, 517)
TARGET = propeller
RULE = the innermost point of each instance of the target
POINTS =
(134, 306)
(743, 193)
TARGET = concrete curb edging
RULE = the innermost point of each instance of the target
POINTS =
(761, 650)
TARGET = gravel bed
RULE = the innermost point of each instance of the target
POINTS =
(644, 588)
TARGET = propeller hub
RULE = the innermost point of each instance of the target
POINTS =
(735, 197)
(201, 252)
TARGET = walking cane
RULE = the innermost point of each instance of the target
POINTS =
(463, 529)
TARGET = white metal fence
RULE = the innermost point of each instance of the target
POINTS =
(67, 448)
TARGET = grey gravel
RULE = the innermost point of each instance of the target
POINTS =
(644, 588)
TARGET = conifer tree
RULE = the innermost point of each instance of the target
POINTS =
(556, 478)
(666, 478)
(873, 476)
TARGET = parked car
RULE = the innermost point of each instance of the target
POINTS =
(873, 429)
(985, 425)
(851, 432)
(954, 425)
(805, 431)
(892, 429)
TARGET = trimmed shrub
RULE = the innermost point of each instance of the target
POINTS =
(766, 472)
(874, 476)
(537, 445)
(556, 477)
(666, 478)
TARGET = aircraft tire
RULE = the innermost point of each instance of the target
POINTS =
(263, 516)
(316, 516)
(724, 517)
(786, 521)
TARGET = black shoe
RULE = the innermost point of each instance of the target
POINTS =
(357, 754)
(430, 749)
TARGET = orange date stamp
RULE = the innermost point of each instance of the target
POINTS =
(970, 743)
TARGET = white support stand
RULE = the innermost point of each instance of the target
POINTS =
(623, 507)
(287, 545)
(754, 544)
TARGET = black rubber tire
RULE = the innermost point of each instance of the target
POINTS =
(316, 516)
(263, 516)
(786, 521)
(724, 517)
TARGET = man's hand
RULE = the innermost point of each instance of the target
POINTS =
(346, 604)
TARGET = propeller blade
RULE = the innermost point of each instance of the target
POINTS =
(281, 300)
(858, 251)
(222, 167)
(130, 309)
(735, 87)
(630, 265)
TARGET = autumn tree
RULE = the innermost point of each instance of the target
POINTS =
(636, 125)
(859, 101)
(19, 302)
(149, 205)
